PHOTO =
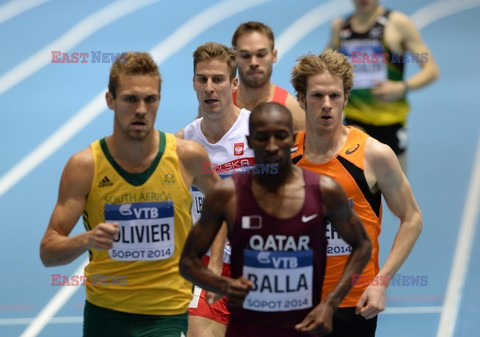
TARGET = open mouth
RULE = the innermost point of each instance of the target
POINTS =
(211, 101)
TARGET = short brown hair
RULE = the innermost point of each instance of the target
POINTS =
(329, 61)
(253, 26)
(132, 63)
(215, 51)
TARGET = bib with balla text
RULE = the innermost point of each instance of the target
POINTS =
(282, 281)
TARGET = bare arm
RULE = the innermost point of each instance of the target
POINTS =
(412, 40)
(393, 184)
(334, 42)
(350, 228)
(56, 247)
(412, 43)
(382, 165)
(298, 115)
(216, 209)
(199, 166)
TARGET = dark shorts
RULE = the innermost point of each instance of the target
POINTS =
(347, 324)
(395, 135)
(103, 322)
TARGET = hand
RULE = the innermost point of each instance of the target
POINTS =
(389, 91)
(318, 321)
(103, 235)
(237, 290)
(372, 301)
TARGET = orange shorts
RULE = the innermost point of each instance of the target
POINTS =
(217, 311)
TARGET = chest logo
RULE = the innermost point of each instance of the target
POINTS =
(169, 179)
(308, 218)
(238, 149)
(105, 182)
(352, 149)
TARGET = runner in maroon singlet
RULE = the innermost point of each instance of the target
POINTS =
(276, 217)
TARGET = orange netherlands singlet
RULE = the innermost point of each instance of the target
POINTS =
(279, 96)
(347, 168)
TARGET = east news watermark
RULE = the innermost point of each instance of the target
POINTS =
(237, 168)
(397, 280)
(407, 57)
(94, 56)
(59, 280)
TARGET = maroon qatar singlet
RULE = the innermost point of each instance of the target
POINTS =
(284, 258)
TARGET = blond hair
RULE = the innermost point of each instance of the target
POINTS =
(132, 63)
(329, 61)
(215, 51)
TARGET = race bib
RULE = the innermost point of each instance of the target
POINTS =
(370, 65)
(282, 281)
(336, 246)
(146, 231)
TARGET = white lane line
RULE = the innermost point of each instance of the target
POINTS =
(70, 39)
(412, 310)
(215, 13)
(53, 306)
(448, 318)
(441, 9)
(461, 259)
(79, 319)
(198, 24)
(52, 143)
(309, 22)
(16, 7)
(54, 320)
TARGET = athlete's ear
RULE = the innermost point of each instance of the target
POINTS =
(110, 100)
(275, 56)
(346, 101)
(301, 100)
(234, 84)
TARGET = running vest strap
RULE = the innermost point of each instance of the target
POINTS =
(373, 62)
(285, 258)
(347, 168)
(140, 273)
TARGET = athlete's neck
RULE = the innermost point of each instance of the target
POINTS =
(215, 128)
(320, 147)
(364, 21)
(249, 98)
(134, 156)
(272, 183)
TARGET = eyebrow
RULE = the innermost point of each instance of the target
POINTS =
(252, 51)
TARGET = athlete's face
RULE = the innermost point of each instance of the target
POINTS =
(255, 59)
(323, 102)
(365, 6)
(272, 138)
(135, 106)
(214, 87)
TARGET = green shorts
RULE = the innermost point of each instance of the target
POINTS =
(103, 322)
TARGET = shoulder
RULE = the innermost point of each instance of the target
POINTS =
(180, 134)
(337, 24)
(380, 160)
(401, 22)
(79, 170)
(82, 160)
(189, 150)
